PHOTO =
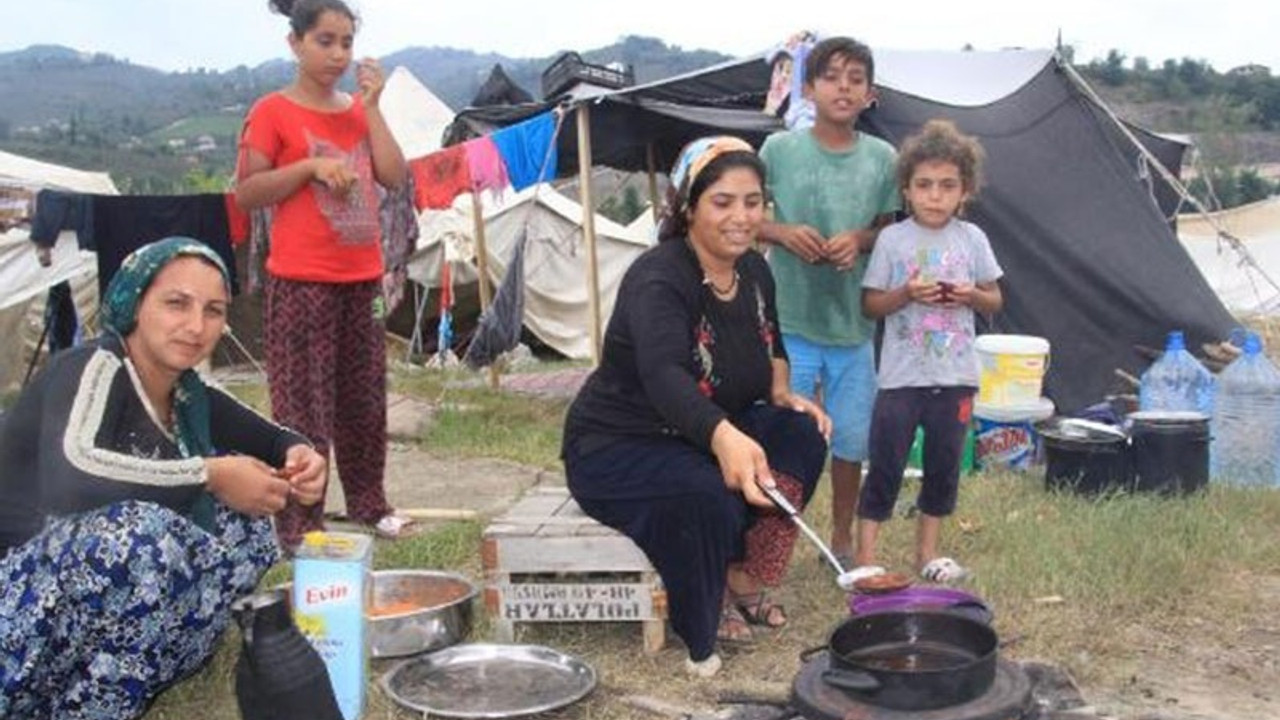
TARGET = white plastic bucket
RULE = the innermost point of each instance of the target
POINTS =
(1012, 369)
(1005, 437)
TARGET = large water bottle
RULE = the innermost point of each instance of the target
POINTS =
(1177, 381)
(1246, 424)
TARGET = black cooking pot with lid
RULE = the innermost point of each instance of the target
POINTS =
(915, 660)
(1085, 457)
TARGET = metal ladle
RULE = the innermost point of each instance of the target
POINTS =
(845, 578)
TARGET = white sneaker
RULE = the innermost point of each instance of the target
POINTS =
(943, 570)
(703, 668)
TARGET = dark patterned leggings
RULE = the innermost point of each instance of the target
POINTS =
(327, 366)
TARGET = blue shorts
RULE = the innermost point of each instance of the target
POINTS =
(846, 375)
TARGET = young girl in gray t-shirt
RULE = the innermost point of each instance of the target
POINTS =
(926, 277)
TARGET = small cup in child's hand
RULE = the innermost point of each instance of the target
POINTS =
(947, 289)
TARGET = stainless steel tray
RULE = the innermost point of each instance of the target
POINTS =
(489, 681)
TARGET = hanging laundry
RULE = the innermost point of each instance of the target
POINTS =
(440, 177)
(123, 223)
(498, 329)
(529, 150)
(488, 171)
(60, 317)
(787, 82)
(399, 221)
(259, 246)
(56, 211)
(238, 221)
(445, 356)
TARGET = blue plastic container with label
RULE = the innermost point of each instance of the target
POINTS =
(1005, 436)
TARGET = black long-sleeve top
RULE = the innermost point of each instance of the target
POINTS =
(80, 437)
(676, 360)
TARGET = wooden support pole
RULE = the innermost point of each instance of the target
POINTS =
(589, 227)
(652, 163)
(482, 268)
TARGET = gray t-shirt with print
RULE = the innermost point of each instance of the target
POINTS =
(929, 345)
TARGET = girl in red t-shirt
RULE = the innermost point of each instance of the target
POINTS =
(312, 153)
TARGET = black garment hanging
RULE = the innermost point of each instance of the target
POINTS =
(123, 223)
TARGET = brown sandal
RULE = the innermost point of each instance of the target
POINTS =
(757, 609)
(734, 628)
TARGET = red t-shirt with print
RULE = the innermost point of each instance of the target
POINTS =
(316, 234)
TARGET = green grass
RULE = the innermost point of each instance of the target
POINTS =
(1089, 584)
(1114, 562)
(473, 420)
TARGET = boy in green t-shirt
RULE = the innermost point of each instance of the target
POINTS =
(833, 189)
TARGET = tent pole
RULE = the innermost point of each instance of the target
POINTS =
(35, 355)
(482, 268)
(589, 226)
(652, 163)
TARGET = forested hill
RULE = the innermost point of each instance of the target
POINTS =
(51, 83)
(174, 131)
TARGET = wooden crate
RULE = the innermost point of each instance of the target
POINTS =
(546, 561)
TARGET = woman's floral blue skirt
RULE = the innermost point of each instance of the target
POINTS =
(102, 611)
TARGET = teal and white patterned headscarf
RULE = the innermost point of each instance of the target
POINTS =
(130, 283)
(120, 316)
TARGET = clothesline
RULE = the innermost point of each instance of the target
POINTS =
(516, 156)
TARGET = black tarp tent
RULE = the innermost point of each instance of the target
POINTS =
(1077, 214)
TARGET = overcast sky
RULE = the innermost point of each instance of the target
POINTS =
(220, 34)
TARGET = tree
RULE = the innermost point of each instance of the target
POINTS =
(622, 209)
(200, 180)
(1112, 71)
(632, 205)
(1195, 75)
(1252, 186)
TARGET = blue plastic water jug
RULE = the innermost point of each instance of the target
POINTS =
(1177, 381)
(1246, 423)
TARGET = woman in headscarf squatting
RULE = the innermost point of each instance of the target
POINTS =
(691, 411)
(135, 499)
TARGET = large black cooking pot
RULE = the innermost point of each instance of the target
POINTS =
(915, 660)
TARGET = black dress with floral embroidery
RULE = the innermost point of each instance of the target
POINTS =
(676, 359)
(677, 362)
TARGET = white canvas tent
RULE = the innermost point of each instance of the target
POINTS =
(23, 281)
(556, 299)
(21, 276)
(416, 117)
(1243, 286)
(557, 306)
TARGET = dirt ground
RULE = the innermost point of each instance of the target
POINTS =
(1198, 669)
(1192, 669)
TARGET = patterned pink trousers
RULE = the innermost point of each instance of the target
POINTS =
(327, 367)
(771, 538)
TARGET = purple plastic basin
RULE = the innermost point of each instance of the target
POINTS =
(922, 598)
